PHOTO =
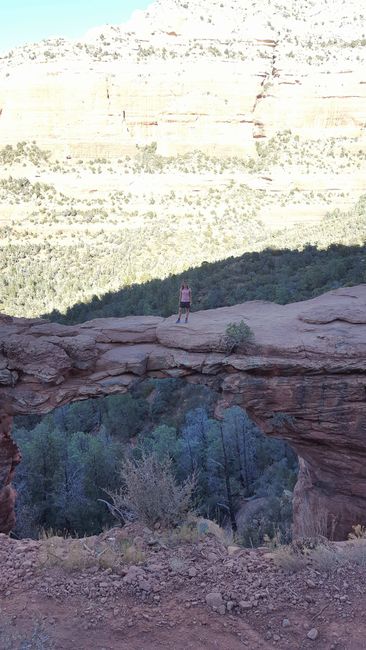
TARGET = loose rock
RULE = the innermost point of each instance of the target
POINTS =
(214, 599)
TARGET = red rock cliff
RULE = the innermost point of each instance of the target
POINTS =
(303, 378)
(9, 458)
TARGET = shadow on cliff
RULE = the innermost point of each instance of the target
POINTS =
(280, 276)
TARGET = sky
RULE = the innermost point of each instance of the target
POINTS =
(23, 21)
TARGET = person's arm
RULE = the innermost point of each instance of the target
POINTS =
(190, 296)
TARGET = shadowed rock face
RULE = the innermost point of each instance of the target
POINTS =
(302, 378)
(9, 458)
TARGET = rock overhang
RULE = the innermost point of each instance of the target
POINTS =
(302, 377)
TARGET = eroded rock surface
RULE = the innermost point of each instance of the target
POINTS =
(9, 458)
(302, 378)
(142, 82)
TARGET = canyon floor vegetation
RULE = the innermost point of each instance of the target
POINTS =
(89, 453)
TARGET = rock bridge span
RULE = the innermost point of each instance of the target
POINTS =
(301, 378)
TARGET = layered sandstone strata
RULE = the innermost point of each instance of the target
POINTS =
(302, 378)
(210, 76)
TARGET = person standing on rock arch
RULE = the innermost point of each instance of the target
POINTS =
(185, 300)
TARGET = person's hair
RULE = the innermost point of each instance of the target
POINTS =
(184, 282)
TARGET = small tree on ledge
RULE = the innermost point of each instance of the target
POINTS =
(237, 335)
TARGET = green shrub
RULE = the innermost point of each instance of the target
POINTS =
(237, 336)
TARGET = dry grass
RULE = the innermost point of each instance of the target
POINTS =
(355, 552)
(194, 530)
(358, 532)
(50, 533)
(286, 559)
(325, 555)
(186, 534)
(78, 555)
(327, 558)
(274, 542)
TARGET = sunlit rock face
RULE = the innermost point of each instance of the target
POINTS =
(301, 375)
(209, 75)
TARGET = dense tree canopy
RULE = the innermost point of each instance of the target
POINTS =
(72, 457)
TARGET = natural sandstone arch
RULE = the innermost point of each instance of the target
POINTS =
(303, 379)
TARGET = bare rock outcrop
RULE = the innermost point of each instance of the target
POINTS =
(302, 378)
(190, 75)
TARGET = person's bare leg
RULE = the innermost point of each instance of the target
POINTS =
(187, 314)
(179, 315)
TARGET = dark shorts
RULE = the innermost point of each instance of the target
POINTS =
(185, 305)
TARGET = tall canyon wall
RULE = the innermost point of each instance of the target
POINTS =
(208, 76)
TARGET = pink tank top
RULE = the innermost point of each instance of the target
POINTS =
(185, 295)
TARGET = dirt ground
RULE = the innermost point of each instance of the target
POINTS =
(131, 589)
